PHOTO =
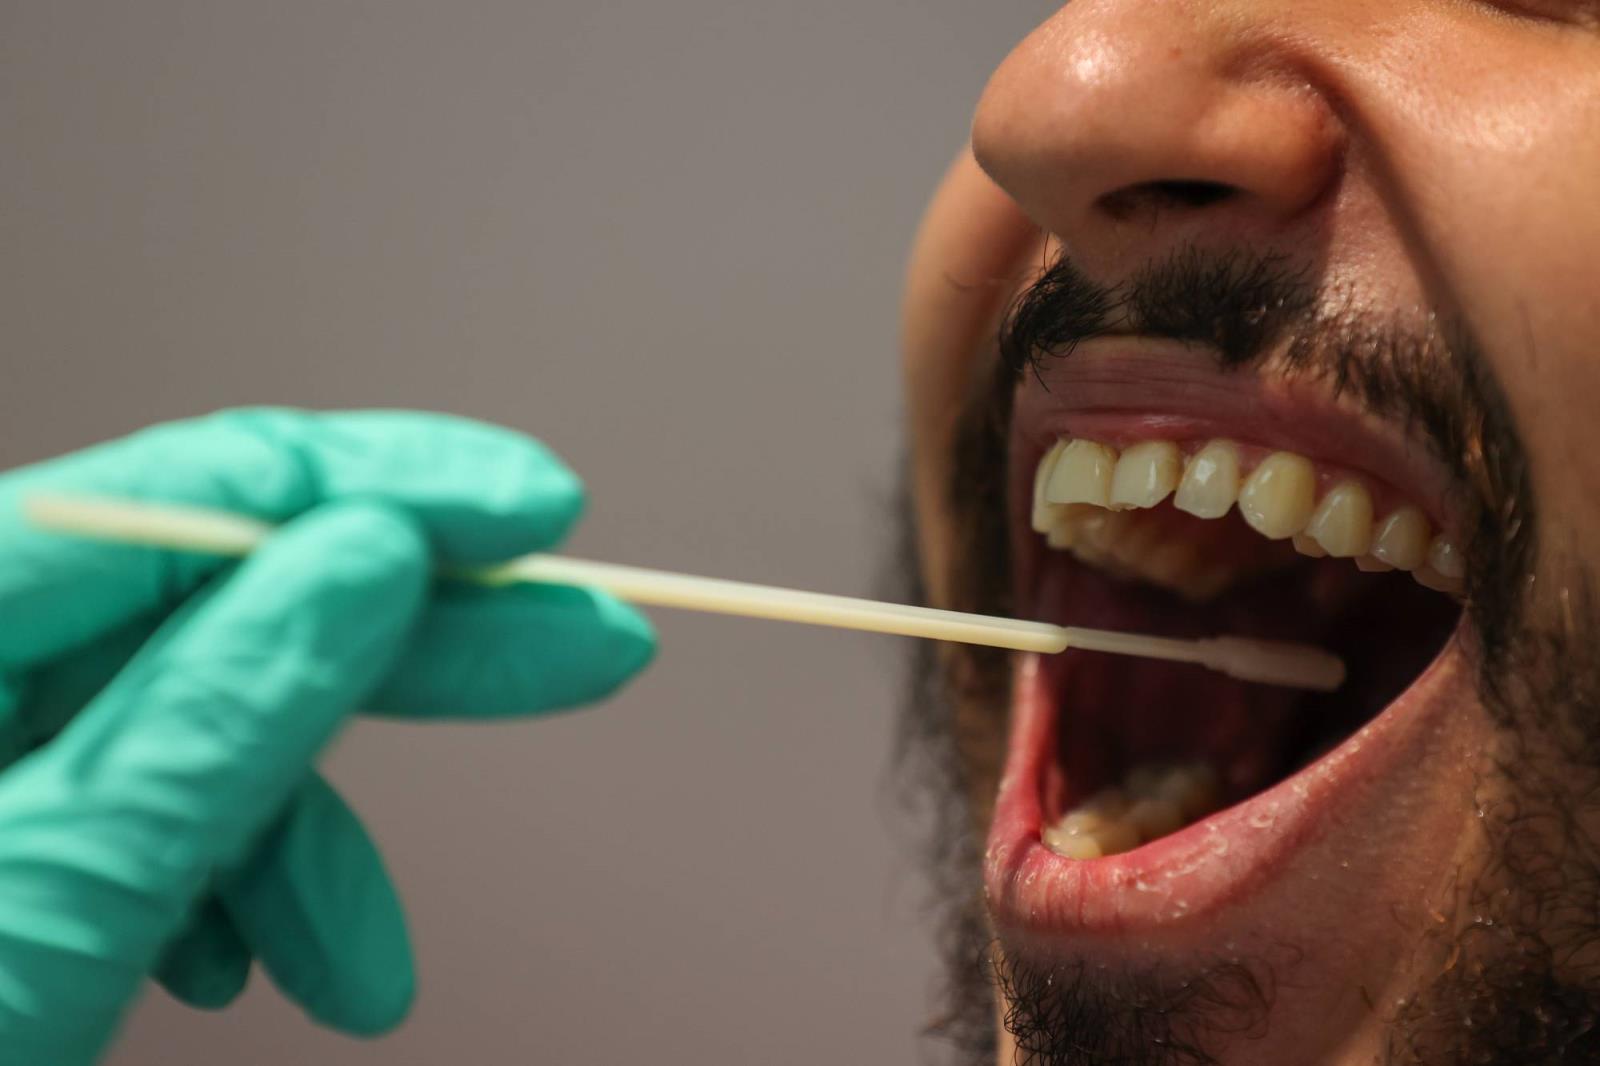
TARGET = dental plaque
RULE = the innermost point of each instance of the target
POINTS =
(1186, 535)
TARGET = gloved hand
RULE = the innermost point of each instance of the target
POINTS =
(159, 712)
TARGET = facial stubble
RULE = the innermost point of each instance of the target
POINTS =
(1518, 978)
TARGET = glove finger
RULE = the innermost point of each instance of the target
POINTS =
(316, 905)
(208, 963)
(522, 649)
(480, 493)
(14, 736)
(476, 652)
(65, 686)
(114, 828)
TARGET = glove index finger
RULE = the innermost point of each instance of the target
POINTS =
(479, 492)
(114, 828)
(202, 736)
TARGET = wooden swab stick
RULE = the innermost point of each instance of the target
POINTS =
(213, 532)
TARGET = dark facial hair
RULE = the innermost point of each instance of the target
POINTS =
(1519, 983)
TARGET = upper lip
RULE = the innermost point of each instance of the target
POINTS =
(1122, 388)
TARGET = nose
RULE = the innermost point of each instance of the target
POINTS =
(1168, 113)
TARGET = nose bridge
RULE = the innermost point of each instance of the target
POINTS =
(1111, 97)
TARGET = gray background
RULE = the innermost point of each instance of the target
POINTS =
(665, 237)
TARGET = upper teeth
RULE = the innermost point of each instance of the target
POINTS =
(1080, 485)
(1082, 473)
(1341, 526)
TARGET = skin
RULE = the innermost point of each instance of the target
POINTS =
(1434, 156)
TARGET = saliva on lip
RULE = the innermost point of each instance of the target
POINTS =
(1151, 802)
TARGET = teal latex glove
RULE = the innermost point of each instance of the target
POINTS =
(159, 712)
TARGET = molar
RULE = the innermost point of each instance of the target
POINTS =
(1116, 836)
(1082, 474)
(1081, 822)
(1145, 474)
(1342, 522)
(1091, 532)
(1155, 800)
(1108, 803)
(1193, 789)
(1210, 482)
(1171, 562)
(1078, 835)
(1278, 496)
(1071, 846)
(1155, 818)
(1083, 836)
(1402, 539)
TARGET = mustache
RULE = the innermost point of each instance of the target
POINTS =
(1255, 312)
(1236, 303)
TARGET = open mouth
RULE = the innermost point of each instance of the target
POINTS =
(1142, 792)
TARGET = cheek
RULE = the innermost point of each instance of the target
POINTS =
(1492, 162)
(972, 251)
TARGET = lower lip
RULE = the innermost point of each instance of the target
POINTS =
(1219, 861)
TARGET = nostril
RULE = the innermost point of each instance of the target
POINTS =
(1156, 195)
(1192, 193)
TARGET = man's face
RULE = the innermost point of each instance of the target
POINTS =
(1311, 293)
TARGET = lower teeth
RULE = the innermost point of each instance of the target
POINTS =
(1152, 802)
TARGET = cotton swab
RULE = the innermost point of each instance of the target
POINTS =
(213, 532)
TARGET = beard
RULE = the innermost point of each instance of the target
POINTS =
(1517, 974)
